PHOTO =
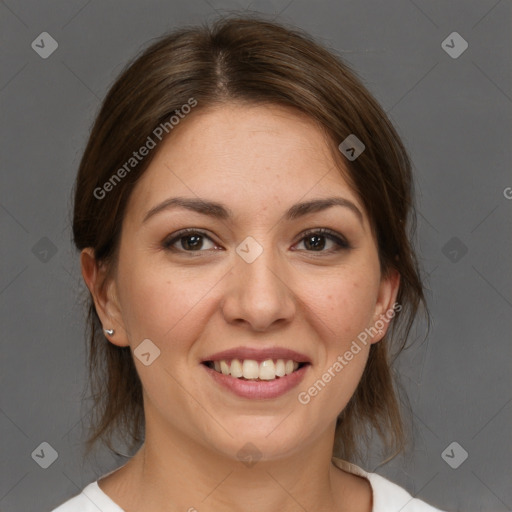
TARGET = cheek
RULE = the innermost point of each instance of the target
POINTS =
(344, 307)
(344, 301)
(162, 305)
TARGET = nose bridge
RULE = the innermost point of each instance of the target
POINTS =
(259, 267)
(262, 271)
(258, 290)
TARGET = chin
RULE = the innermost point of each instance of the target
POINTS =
(261, 439)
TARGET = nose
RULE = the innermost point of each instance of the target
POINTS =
(259, 294)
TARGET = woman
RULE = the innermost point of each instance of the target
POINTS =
(242, 210)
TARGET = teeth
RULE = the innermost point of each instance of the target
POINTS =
(267, 370)
(251, 370)
(236, 368)
(280, 368)
(224, 368)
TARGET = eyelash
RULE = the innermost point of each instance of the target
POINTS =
(340, 241)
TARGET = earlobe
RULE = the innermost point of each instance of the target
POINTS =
(103, 291)
(385, 307)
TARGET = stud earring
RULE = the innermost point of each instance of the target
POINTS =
(110, 332)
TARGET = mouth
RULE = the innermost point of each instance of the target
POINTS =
(253, 370)
(257, 373)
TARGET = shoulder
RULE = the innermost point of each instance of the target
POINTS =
(387, 496)
(91, 499)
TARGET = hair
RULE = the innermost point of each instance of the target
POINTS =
(257, 62)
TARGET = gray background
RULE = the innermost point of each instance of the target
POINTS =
(455, 118)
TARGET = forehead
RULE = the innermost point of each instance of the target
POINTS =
(246, 155)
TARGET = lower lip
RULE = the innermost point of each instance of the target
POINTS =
(261, 389)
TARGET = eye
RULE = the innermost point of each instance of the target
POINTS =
(315, 240)
(318, 239)
(188, 240)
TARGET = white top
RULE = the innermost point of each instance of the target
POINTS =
(387, 496)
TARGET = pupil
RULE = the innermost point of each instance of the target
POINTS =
(196, 242)
(318, 241)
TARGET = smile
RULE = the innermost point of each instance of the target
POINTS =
(256, 372)
(250, 369)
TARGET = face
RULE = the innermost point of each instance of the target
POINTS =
(258, 308)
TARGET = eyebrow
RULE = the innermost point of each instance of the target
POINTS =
(219, 211)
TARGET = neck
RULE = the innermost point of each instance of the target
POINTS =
(172, 469)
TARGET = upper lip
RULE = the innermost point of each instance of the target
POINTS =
(258, 354)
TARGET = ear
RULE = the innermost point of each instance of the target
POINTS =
(385, 307)
(104, 293)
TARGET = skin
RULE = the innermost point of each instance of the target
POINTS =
(258, 161)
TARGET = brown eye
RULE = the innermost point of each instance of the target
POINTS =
(316, 241)
(192, 242)
(188, 240)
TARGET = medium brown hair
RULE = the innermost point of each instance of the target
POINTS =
(248, 60)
